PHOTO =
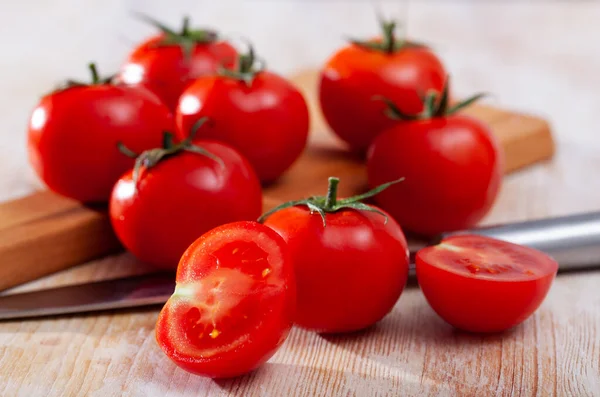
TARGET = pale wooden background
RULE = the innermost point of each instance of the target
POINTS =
(539, 57)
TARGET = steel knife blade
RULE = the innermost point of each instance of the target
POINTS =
(574, 241)
(121, 293)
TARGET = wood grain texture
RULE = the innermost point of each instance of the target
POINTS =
(43, 233)
(410, 353)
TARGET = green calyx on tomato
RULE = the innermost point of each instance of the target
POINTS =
(95, 80)
(330, 203)
(152, 157)
(248, 66)
(186, 38)
(435, 104)
(389, 42)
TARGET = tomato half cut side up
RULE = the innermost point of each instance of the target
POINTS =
(234, 301)
(480, 284)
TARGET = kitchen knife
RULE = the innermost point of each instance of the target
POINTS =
(574, 241)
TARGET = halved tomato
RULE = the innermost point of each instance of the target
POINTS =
(481, 284)
(234, 301)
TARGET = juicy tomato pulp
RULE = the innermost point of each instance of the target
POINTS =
(165, 70)
(181, 198)
(480, 284)
(349, 273)
(234, 301)
(266, 121)
(73, 136)
(354, 76)
(452, 168)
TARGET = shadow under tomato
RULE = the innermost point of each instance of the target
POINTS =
(415, 324)
(394, 343)
(334, 153)
(351, 337)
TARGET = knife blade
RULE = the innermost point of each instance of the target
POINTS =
(121, 293)
(574, 241)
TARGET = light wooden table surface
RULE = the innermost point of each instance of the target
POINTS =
(410, 353)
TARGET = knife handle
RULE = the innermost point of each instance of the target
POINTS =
(573, 241)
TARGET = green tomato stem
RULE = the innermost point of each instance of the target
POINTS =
(248, 67)
(331, 198)
(389, 38)
(323, 205)
(185, 29)
(94, 72)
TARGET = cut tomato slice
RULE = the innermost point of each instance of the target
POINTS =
(234, 301)
(481, 284)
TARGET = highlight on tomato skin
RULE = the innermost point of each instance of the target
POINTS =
(234, 302)
(480, 284)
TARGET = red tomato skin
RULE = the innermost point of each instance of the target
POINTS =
(180, 199)
(481, 305)
(354, 76)
(453, 170)
(73, 135)
(268, 336)
(267, 121)
(350, 274)
(165, 70)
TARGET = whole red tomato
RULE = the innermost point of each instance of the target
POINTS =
(73, 135)
(390, 67)
(168, 62)
(256, 111)
(234, 301)
(175, 195)
(481, 284)
(351, 263)
(452, 165)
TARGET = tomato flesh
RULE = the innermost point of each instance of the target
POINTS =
(480, 284)
(234, 301)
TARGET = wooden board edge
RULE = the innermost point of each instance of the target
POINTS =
(35, 249)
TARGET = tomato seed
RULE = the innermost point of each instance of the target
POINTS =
(473, 268)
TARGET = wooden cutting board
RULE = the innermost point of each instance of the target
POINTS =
(43, 233)
(410, 353)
